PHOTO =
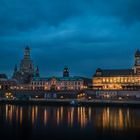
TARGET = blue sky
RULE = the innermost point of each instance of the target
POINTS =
(80, 34)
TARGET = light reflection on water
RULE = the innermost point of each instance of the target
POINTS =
(30, 122)
(82, 117)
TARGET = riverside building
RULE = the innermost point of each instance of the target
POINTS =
(26, 70)
(61, 83)
(5, 83)
(123, 79)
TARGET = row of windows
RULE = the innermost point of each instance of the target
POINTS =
(112, 87)
(59, 83)
(117, 80)
(120, 80)
(38, 83)
(68, 86)
(62, 88)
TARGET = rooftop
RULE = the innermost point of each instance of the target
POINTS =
(115, 72)
(3, 76)
(137, 53)
(75, 78)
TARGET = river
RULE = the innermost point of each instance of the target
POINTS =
(50, 122)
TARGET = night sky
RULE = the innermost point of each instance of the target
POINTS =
(80, 34)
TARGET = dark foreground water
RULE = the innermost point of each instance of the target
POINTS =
(44, 122)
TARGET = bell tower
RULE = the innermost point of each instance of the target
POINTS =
(137, 63)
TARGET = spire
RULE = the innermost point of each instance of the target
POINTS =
(27, 53)
(37, 73)
(15, 69)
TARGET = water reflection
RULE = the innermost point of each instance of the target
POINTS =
(82, 117)
(21, 115)
(70, 117)
(45, 117)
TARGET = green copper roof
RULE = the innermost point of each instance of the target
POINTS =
(75, 78)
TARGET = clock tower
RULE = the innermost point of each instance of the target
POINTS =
(137, 63)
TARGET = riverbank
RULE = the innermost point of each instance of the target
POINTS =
(67, 102)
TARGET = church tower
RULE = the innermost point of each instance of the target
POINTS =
(66, 72)
(26, 65)
(15, 69)
(26, 70)
(137, 63)
(27, 53)
(37, 73)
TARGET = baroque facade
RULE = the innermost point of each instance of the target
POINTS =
(60, 83)
(26, 71)
(123, 79)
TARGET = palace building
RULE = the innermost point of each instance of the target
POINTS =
(61, 83)
(26, 70)
(123, 79)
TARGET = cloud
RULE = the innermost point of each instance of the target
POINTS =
(26, 15)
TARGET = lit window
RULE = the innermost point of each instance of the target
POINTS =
(107, 80)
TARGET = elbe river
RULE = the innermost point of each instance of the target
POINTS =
(63, 122)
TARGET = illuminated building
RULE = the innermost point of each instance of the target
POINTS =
(60, 83)
(123, 79)
(26, 70)
(5, 83)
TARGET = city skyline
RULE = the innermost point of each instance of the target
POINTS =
(82, 35)
(70, 69)
(59, 73)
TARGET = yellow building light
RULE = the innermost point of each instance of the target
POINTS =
(104, 80)
(46, 87)
(108, 96)
(89, 98)
(62, 97)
